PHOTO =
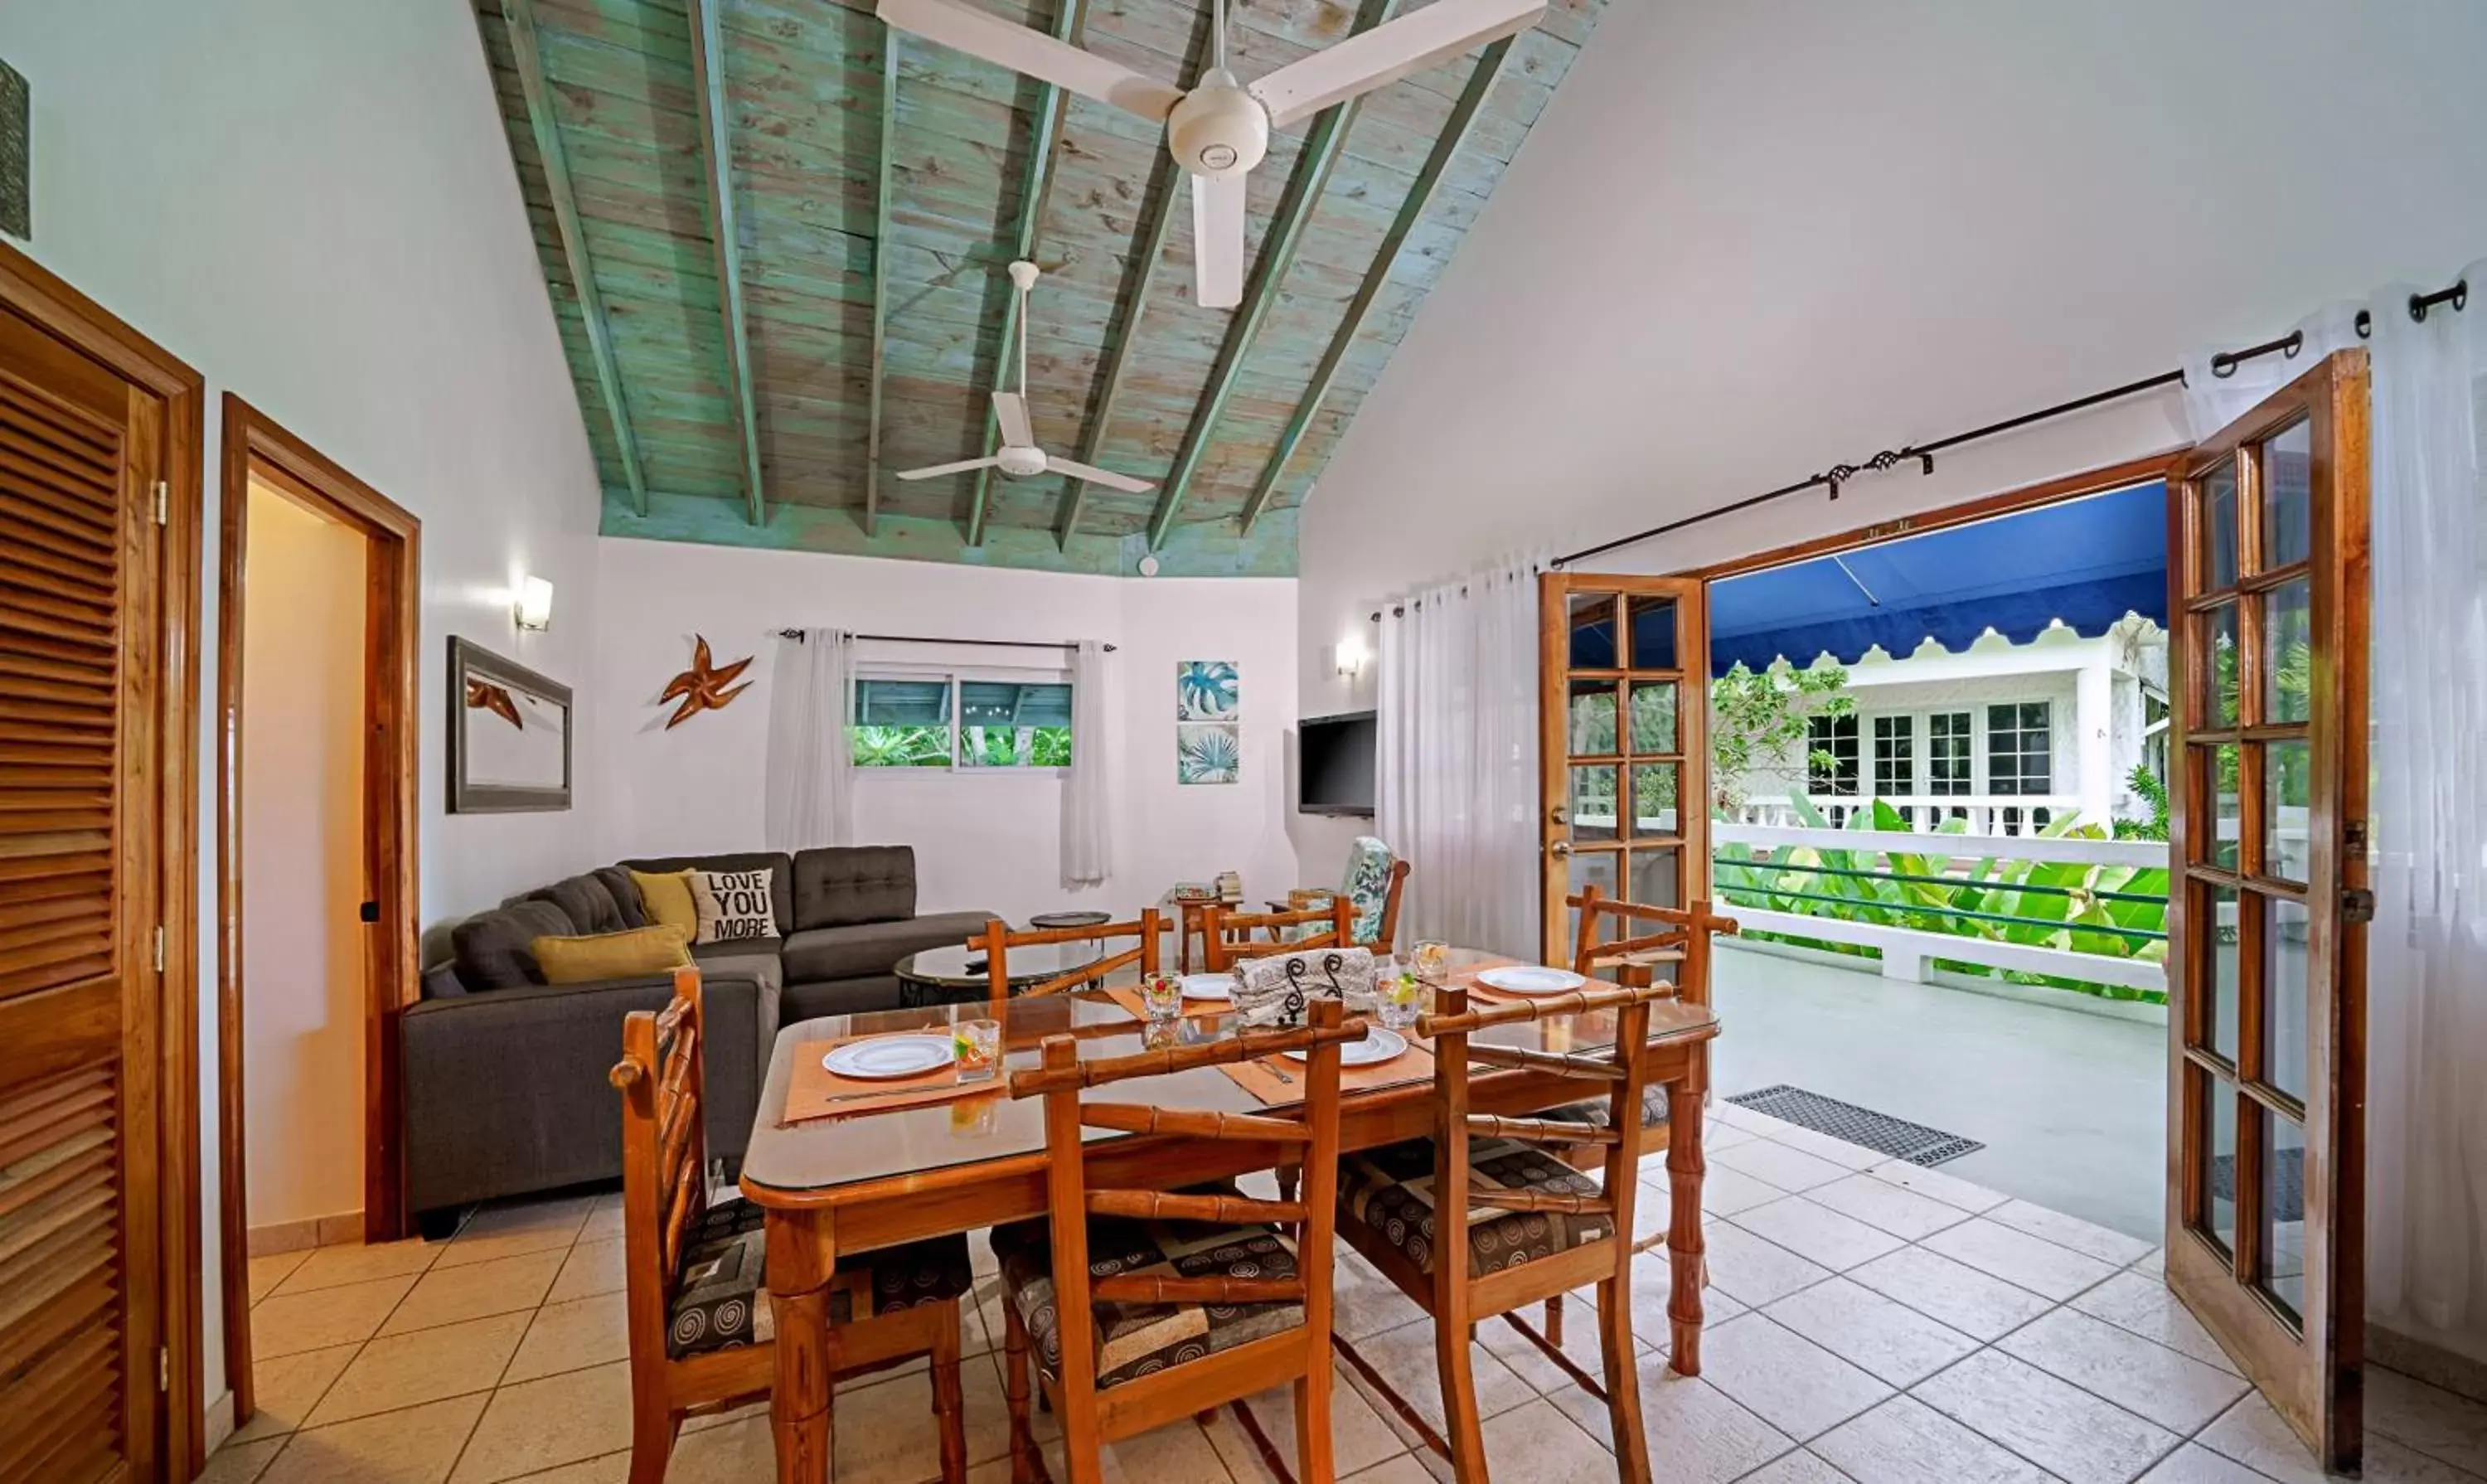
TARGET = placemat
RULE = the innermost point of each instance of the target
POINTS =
(1275, 1079)
(813, 1091)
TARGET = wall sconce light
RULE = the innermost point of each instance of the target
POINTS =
(533, 608)
(1351, 656)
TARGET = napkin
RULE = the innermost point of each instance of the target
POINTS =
(1274, 991)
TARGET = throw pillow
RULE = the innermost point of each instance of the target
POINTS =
(667, 899)
(625, 893)
(734, 906)
(612, 955)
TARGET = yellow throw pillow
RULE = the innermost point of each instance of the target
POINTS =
(668, 900)
(651, 950)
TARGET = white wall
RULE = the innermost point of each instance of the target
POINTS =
(313, 204)
(302, 862)
(983, 841)
(1749, 241)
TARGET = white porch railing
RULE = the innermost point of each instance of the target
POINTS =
(1907, 952)
(1987, 814)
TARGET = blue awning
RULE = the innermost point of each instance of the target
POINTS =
(2087, 562)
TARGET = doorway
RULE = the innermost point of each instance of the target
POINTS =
(316, 778)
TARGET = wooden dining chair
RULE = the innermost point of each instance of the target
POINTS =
(1143, 1308)
(699, 1320)
(998, 939)
(1227, 936)
(1483, 1219)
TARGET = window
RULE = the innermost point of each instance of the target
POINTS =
(1830, 755)
(2018, 743)
(1951, 753)
(936, 720)
(1895, 756)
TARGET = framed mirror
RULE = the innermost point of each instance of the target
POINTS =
(508, 735)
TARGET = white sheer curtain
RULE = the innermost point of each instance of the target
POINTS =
(810, 779)
(2427, 950)
(2213, 400)
(1456, 782)
(1087, 817)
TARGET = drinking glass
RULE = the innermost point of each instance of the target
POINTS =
(1162, 997)
(1432, 959)
(1400, 997)
(978, 1047)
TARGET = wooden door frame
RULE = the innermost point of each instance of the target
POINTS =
(256, 444)
(175, 1319)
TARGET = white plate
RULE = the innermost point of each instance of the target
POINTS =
(890, 1057)
(1379, 1045)
(1519, 979)
(1209, 986)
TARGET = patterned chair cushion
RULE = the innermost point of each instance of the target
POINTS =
(1593, 1113)
(1368, 885)
(721, 1297)
(1137, 1339)
(1391, 1190)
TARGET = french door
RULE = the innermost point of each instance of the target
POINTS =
(2266, 1169)
(1623, 667)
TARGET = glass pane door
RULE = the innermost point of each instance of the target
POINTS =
(2266, 948)
(1626, 786)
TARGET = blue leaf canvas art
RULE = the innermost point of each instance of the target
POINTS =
(1209, 753)
(1206, 691)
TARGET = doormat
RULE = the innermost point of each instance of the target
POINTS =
(1881, 1132)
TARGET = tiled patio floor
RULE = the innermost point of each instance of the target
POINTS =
(1867, 1321)
(2071, 1107)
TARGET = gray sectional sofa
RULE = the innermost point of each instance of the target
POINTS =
(504, 1074)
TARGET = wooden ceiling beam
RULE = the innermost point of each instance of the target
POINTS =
(1158, 215)
(1421, 194)
(716, 156)
(526, 55)
(1044, 145)
(889, 42)
(1321, 154)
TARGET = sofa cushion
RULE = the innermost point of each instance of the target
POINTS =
(781, 884)
(494, 949)
(839, 996)
(820, 954)
(585, 901)
(602, 956)
(842, 885)
(758, 961)
(625, 893)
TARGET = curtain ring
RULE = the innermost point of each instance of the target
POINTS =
(2296, 343)
(2223, 365)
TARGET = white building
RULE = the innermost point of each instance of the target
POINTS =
(2007, 736)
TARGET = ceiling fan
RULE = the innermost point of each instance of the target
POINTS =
(1020, 457)
(1219, 127)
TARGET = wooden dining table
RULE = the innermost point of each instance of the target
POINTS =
(841, 1187)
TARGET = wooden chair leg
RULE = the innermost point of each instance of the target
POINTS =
(1289, 1178)
(652, 1441)
(1462, 1429)
(1554, 1321)
(949, 1402)
(1026, 1465)
(1623, 1382)
(1313, 1460)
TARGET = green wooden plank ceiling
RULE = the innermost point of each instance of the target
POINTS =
(773, 232)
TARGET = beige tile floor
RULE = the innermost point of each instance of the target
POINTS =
(1868, 1322)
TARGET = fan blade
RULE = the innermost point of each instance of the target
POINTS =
(1096, 476)
(982, 34)
(1010, 410)
(1388, 52)
(939, 470)
(1217, 241)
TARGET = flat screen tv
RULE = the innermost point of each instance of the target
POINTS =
(1338, 755)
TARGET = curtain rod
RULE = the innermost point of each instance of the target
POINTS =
(797, 635)
(2222, 364)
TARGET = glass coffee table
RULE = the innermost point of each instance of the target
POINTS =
(956, 975)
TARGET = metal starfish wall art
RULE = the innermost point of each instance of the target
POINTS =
(705, 686)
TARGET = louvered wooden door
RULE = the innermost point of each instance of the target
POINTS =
(80, 450)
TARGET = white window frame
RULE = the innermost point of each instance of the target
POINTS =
(956, 676)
